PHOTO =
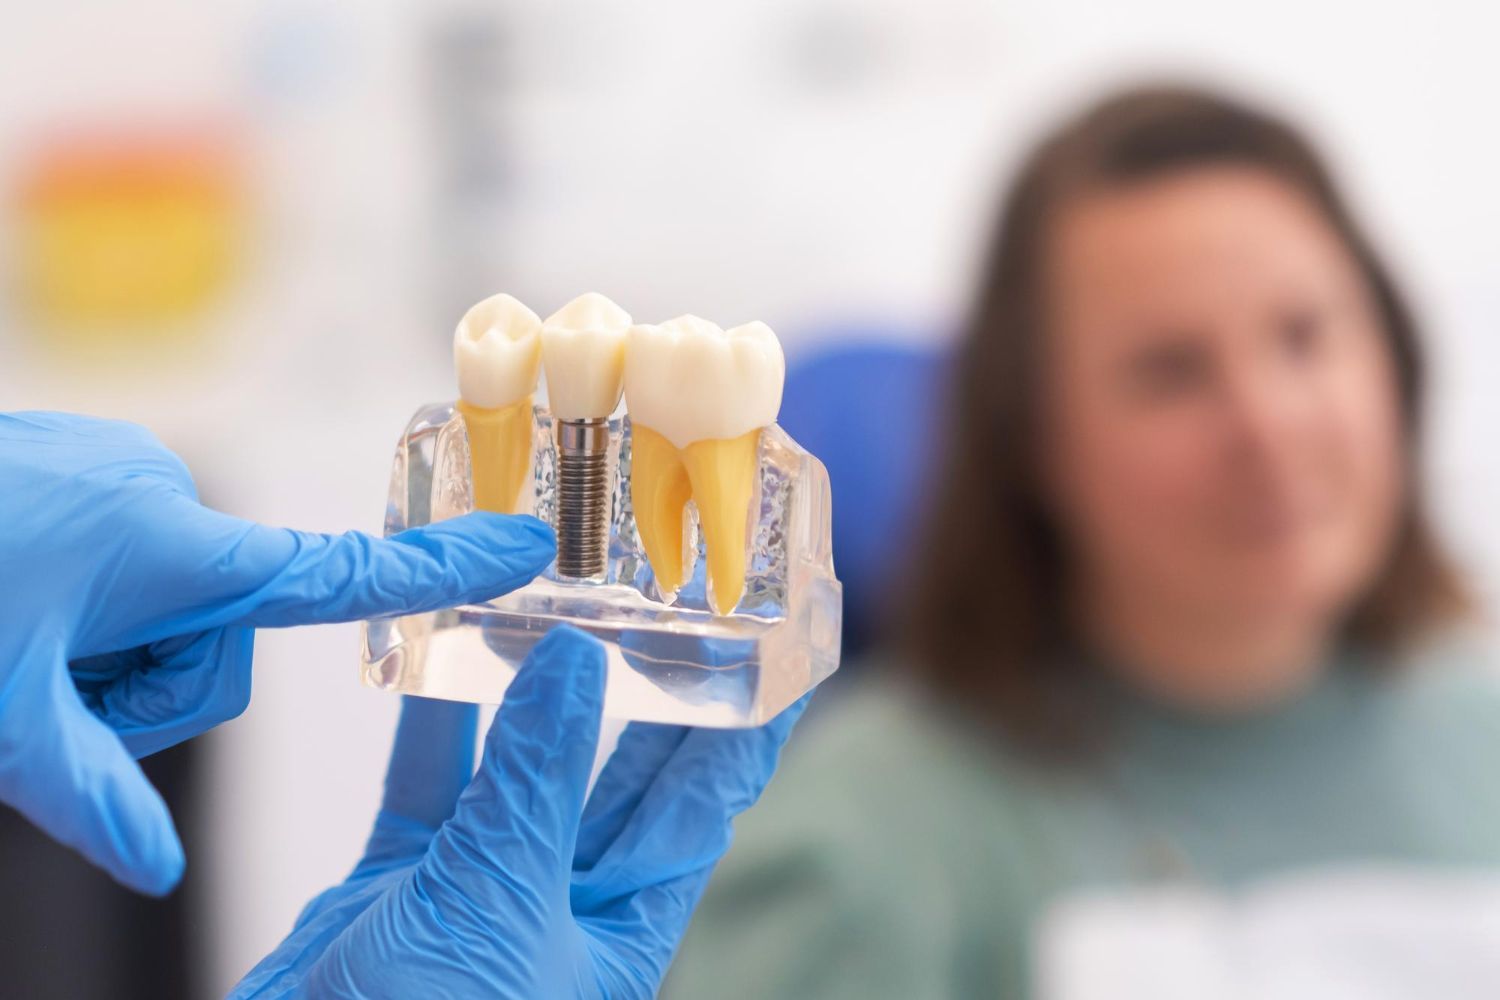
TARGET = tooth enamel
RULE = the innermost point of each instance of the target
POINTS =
(497, 354)
(583, 353)
(698, 398)
(688, 380)
(496, 350)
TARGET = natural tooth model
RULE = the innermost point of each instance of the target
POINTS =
(583, 353)
(497, 351)
(698, 398)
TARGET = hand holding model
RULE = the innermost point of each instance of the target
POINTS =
(513, 886)
(127, 610)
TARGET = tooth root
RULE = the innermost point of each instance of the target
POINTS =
(723, 475)
(499, 453)
(659, 493)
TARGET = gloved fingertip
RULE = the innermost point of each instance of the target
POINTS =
(569, 642)
(539, 529)
(511, 549)
(562, 677)
(781, 725)
(88, 792)
(518, 530)
(160, 875)
(146, 854)
(521, 811)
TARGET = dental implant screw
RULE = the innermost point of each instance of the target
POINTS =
(583, 495)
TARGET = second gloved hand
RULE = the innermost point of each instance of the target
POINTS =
(127, 610)
(515, 888)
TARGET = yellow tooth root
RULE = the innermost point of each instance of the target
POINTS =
(659, 493)
(723, 474)
(499, 453)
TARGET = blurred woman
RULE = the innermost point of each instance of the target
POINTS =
(1179, 628)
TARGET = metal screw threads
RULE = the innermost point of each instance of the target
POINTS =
(583, 488)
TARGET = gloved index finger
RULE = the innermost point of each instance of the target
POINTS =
(202, 569)
(331, 578)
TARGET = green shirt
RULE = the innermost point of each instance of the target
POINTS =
(898, 854)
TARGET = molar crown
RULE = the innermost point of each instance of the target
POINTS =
(690, 380)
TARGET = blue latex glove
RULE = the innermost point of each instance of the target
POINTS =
(126, 611)
(516, 888)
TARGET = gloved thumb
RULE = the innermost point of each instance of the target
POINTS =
(517, 822)
(65, 771)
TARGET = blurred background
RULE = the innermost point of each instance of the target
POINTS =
(253, 225)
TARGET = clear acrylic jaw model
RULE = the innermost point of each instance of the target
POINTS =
(674, 662)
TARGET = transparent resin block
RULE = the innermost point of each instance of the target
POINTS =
(668, 662)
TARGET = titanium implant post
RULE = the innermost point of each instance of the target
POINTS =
(583, 498)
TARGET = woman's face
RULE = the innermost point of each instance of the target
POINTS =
(1221, 422)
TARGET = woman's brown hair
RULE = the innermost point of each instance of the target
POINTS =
(987, 621)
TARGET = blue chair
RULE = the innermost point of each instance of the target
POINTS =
(869, 408)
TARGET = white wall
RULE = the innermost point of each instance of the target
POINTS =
(797, 161)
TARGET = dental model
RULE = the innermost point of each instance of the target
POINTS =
(699, 397)
(730, 643)
(583, 354)
(497, 352)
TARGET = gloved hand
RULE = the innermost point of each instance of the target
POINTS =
(516, 888)
(126, 611)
